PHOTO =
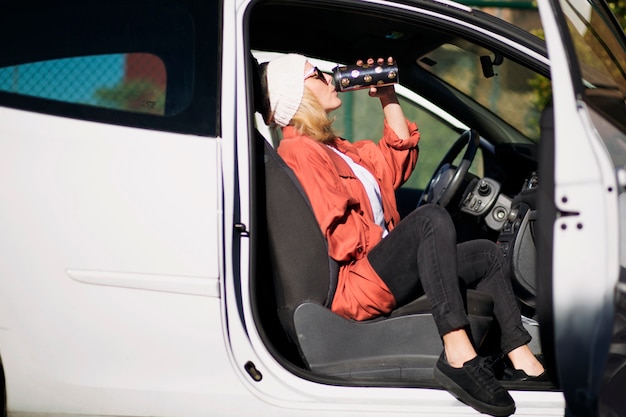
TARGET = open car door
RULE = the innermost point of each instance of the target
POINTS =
(583, 159)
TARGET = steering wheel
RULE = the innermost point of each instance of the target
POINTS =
(447, 178)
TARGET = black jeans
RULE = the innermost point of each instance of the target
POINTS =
(421, 256)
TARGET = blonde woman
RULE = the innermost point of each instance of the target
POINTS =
(385, 262)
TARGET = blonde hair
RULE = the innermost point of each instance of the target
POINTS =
(312, 120)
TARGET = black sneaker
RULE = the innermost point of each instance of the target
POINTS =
(475, 385)
(518, 375)
(518, 379)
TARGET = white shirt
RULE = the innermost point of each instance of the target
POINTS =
(371, 187)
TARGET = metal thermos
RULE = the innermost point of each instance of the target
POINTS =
(356, 77)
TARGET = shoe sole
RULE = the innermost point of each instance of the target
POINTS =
(462, 395)
(529, 385)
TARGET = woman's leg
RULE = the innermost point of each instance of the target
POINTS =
(481, 265)
(418, 257)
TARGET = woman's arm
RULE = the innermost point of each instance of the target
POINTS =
(393, 113)
(391, 106)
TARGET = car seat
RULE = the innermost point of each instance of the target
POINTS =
(403, 346)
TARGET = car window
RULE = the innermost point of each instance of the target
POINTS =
(601, 53)
(523, 14)
(129, 82)
(360, 117)
(436, 134)
(114, 61)
(514, 93)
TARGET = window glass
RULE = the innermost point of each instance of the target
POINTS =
(600, 50)
(512, 92)
(131, 82)
(125, 62)
(361, 117)
(601, 55)
(523, 14)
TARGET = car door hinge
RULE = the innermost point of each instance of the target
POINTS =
(242, 229)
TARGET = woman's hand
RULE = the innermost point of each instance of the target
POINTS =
(386, 91)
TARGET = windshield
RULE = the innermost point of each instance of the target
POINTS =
(511, 91)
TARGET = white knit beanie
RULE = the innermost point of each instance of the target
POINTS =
(285, 85)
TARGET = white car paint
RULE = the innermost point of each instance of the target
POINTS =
(586, 195)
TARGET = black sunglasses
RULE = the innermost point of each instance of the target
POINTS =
(317, 73)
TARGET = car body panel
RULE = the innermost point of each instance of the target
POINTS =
(118, 238)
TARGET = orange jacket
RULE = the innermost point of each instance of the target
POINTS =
(343, 210)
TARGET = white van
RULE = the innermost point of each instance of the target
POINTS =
(151, 261)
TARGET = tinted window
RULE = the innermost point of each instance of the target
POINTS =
(600, 48)
(134, 82)
(127, 62)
